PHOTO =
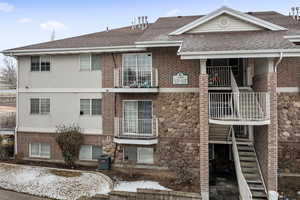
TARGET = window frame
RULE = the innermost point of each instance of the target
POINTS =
(40, 150)
(40, 63)
(40, 105)
(90, 107)
(137, 160)
(90, 69)
(90, 152)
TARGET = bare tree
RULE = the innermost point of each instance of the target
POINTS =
(8, 72)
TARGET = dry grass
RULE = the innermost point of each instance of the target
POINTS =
(64, 173)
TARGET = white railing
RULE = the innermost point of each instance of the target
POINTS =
(135, 128)
(140, 78)
(219, 76)
(236, 91)
(246, 106)
(244, 190)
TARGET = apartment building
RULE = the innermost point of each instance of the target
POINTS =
(225, 84)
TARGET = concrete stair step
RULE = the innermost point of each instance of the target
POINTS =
(248, 164)
(256, 187)
(245, 153)
(252, 176)
(250, 170)
(247, 158)
(250, 181)
(259, 194)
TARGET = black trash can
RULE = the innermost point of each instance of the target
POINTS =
(104, 162)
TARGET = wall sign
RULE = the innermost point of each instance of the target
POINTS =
(180, 78)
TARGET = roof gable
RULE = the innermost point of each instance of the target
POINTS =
(234, 20)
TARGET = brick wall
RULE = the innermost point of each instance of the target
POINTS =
(289, 72)
(265, 137)
(147, 194)
(25, 138)
(204, 128)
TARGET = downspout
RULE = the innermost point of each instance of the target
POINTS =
(17, 108)
(115, 108)
(278, 61)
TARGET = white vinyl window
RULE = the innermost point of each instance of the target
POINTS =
(90, 62)
(137, 70)
(39, 150)
(90, 106)
(40, 106)
(90, 152)
(40, 63)
(145, 155)
(142, 155)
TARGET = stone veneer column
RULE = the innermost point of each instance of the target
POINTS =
(203, 117)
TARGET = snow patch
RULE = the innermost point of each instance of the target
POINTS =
(133, 186)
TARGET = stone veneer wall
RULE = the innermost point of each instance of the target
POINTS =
(178, 117)
(289, 132)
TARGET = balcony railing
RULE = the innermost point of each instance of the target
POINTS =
(219, 76)
(136, 128)
(245, 106)
(140, 78)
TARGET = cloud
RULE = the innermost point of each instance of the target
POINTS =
(5, 7)
(52, 24)
(25, 20)
(173, 12)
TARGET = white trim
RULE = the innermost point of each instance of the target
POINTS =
(53, 130)
(228, 122)
(292, 38)
(61, 90)
(158, 44)
(288, 89)
(102, 90)
(136, 141)
(229, 11)
(73, 50)
(171, 90)
(262, 53)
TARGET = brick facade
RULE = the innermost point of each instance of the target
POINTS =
(289, 73)
(204, 131)
(25, 138)
(265, 137)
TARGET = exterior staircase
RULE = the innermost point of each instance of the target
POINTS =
(251, 171)
(218, 132)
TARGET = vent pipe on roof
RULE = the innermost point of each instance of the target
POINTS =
(140, 22)
(53, 35)
(294, 13)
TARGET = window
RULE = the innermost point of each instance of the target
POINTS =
(137, 117)
(90, 107)
(39, 150)
(90, 152)
(143, 155)
(40, 63)
(96, 62)
(40, 106)
(137, 70)
(90, 62)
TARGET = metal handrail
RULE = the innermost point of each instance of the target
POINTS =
(244, 190)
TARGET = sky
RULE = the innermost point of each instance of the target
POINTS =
(24, 22)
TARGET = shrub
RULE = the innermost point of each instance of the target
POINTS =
(69, 139)
(6, 149)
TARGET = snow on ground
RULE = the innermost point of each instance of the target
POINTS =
(133, 186)
(39, 181)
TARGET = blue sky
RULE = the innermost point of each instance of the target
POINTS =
(26, 22)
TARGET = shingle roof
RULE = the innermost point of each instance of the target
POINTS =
(115, 37)
(159, 31)
(247, 40)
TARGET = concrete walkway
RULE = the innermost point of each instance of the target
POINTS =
(9, 195)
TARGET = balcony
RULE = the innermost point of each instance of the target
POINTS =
(219, 76)
(136, 131)
(136, 81)
(239, 108)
